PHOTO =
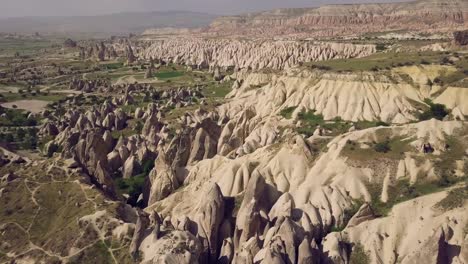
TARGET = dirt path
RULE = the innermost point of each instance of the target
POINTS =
(33, 106)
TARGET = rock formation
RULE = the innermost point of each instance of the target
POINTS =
(339, 20)
(257, 152)
(253, 55)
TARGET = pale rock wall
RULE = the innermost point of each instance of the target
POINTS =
(255, 55)
(352, 97)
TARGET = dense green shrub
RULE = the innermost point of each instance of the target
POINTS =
(134, 186)
(437, 111)
(382, 147)
(287, 112)
(380, 47)
(359, 255)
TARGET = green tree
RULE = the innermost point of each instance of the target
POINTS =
(20, 134)
(437, 111)
(382, 147)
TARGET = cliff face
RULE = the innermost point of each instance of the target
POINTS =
(250, 54)
(352, 19)
(348, 96)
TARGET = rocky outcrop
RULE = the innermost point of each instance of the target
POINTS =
(435, 250)
(284, 213)
(348, 96)
(88, 86)
(308, 252)
(91, 153)
(364, 213)
(174, 247)
(209, 218)
(162, 180)
(131, 168)
(252, 55)
(197, 141)
(129, 55)
(139, 233)
(251, 217)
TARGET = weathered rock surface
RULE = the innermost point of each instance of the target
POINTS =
(339, 20)
(253, 55)
(209, 218)
(348, 96)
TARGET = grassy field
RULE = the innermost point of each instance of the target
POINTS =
(8, 47)
(378, 60)
(112, 65)
(402, 191)
(396, 149)
(359, 255)
(387, 61)
(310, 121)
(163, 75)
(217, 90)
(44, 208)
(11, 97)
(455, 198)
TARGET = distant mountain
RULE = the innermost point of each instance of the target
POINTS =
(135, 22)
(332, 20)
(345, 14)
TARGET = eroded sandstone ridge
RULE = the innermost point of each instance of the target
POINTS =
(278, 148)
(253, 55)
(339, 20)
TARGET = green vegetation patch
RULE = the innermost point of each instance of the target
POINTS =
(24, 46)
(445, 164)
(217, 90)
(437, 111)
(310, 121)
(55, 226)
(287, 112)
(16, 118)
(379, 61)
(389, 60)
(168, 74)
(388, 148)
(456, 198)
(17, 206)
(359, 255)
(133, 186)
(98, 253)
(32, 95)
(113, 65)
(16, 237)
(402, 191)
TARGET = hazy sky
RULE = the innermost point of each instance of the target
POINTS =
(15, 8)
